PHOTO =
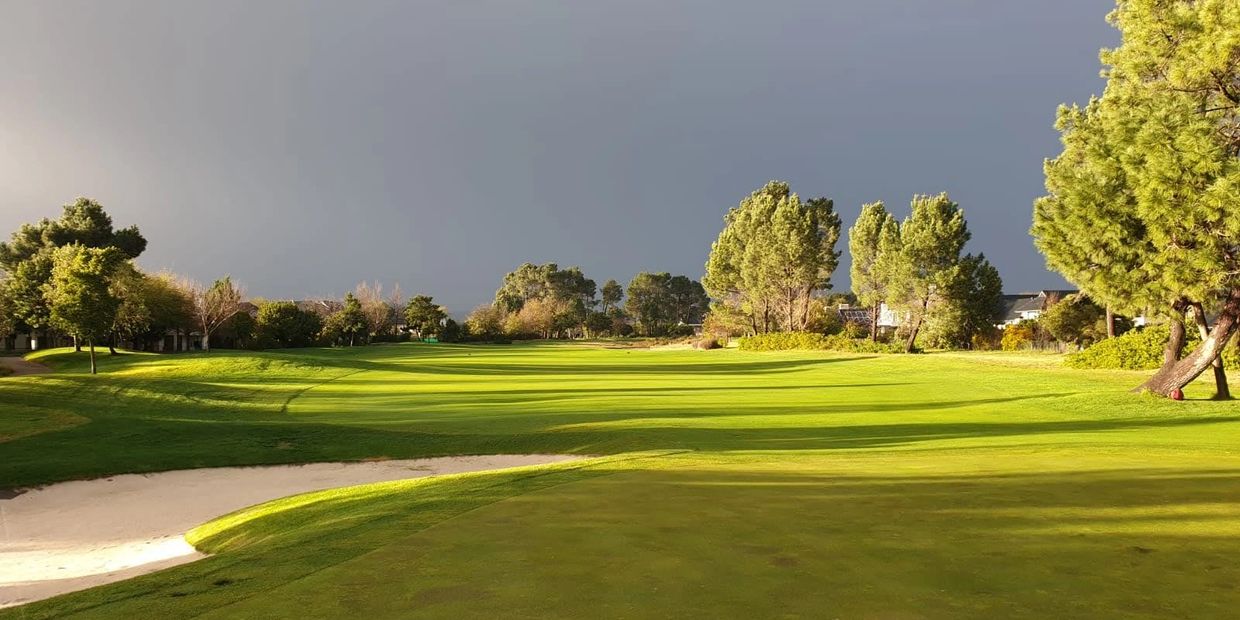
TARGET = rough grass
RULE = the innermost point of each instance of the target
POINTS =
(743, 484)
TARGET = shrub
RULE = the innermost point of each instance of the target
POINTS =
(856, 330)
(1017, 337)
(988, 339)
(789, 341)
(706, 343)
(1140, 349)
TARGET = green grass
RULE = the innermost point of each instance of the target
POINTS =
(742, 484)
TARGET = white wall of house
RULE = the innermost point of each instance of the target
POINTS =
(888, 317)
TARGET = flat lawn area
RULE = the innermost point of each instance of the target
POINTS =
(729, 483)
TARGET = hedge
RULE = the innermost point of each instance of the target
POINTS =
(788, 341)
(1140, 349)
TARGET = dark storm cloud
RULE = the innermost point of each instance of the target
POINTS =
(303, 147)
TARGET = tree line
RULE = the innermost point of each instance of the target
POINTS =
(770, 269)
(545, 301)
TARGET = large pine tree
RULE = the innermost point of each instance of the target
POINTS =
(1143, 205)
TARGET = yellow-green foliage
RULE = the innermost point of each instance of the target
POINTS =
(1138, 350)
(1017, 337)
(806, 341)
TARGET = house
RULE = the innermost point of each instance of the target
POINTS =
(1029, 306)
(322, 307)
(888, 319)
(24, 342)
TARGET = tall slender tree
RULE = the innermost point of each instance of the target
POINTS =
(869, 282)
(929, 245)
(612, 293)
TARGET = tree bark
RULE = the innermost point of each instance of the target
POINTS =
(77, 345)
(805, 309)
(1178, 374)
(912, 334)
(92, 356)
(874, 323)
(1221, 390)
(1110, 323)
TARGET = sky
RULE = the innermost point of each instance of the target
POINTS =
(303, 147)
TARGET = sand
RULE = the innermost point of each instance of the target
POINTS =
(75, 535)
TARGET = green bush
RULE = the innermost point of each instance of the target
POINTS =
(1140, 349)
(808, 341)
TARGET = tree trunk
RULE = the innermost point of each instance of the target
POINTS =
(874, 323)
(206, 338)
(1179, 374)
(77, 345)
(805, 310)
(93, 370)
(1221, 390)
(1175, 344)
(792, 310)
(912, 335)
(1110, 323)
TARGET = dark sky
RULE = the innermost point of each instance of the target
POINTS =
(303, 147)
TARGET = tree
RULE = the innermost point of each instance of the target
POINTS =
(774, 253)
(349, 324)
(598, 323)
(168, 304)
(1139, 211)
(380, 313)
(281, 324)
(423, 316)
(7, 322)
(133, 316)
(80, 294)
(539, 317)
(244, 328)
(24, 289)
(213, 305)
(568, 290)
(27, 256)
(865, 238)
(923, 262)
(1074, 320)
(649, 301)
(82, 222)
(970, 304)
(689, 302)
(486, 322)
(612, 294)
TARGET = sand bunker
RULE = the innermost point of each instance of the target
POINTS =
(75, 535)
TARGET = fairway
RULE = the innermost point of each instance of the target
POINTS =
(724, 483)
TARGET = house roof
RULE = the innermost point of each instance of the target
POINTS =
(855, 315)
(1016, 304)
(318, 306)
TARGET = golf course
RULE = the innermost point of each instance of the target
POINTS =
(726, 482)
